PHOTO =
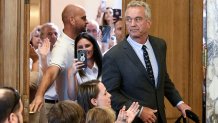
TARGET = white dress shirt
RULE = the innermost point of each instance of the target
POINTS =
(139, 52)
(90, 74)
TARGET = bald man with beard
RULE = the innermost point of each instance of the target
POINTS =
(74, 20)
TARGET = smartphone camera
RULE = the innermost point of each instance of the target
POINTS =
(82, 56)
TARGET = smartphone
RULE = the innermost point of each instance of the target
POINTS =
(103, 5)
(82, 56)
(117, 13)
(106, 32)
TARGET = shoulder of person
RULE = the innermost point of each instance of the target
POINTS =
(151, 38)
(117, 49)
(157, 40)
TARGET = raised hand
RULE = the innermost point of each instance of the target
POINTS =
(122, 116)
(132, 112)
(44, 49)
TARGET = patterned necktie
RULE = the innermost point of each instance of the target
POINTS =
(148, 63)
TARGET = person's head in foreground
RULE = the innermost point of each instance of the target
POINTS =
(93, 94)
(100, 115)
(66, 112)
(11, 106)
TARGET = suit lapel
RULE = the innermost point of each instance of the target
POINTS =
(157, 51)
(134, 58)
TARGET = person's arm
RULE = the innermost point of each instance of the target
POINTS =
(47, 80)
(171, 92)
(72, 79)
(35, 59)
(111, 78)
(182, 107)
(34, 68)
(99, 15)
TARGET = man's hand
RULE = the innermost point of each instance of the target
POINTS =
(147, 115)
(182, 107)
(44, 49)
(36, 104)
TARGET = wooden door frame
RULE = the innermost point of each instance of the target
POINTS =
(14, 61)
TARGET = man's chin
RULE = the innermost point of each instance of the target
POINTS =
(134, 36)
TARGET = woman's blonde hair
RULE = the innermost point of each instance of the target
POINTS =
(100, 115)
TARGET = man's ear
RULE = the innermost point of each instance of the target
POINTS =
(72, 20)
(149, 23)
(94, 101)
(12, 118)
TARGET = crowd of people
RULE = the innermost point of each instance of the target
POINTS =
(118, 82)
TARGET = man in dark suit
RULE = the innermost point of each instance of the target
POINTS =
(132, 74)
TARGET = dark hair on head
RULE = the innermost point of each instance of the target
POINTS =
(118, 19)
(104, 22)
(66, 112)
(97, 52)
(9, 102)
(86, 92)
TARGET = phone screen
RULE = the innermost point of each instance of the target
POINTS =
(82, 56)
(103, 5)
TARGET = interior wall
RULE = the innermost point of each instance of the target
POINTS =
(34, 13)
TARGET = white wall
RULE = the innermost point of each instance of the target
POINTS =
(90, 6)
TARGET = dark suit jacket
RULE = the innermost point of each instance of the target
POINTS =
(127, 80)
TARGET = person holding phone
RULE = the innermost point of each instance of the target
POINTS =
(106, 21)
(74, 20)
(83, 70)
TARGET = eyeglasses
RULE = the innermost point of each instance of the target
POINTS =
(16, 97)
(137, 19)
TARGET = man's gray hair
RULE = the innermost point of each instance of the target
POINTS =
(48, 25)
(94, 22)
(135, 3)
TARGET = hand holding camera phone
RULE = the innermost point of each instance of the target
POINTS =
(82, 56)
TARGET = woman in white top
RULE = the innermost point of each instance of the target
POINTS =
(81, 72)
